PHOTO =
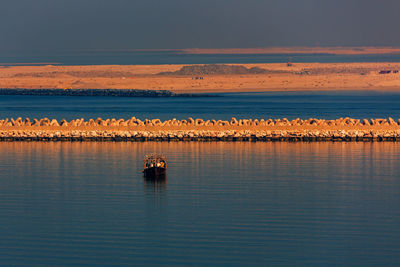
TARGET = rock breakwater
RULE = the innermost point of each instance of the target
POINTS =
(134, 129)
(96, 92)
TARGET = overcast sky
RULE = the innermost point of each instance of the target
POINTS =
(28, 25)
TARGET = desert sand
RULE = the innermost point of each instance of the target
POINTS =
(277, 77)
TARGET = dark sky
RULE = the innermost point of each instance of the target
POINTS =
(28, 25)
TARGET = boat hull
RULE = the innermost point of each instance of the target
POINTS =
(155, 172)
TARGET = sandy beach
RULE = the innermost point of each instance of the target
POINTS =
(274, 77)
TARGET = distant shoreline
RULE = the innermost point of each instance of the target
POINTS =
(357, 50)
(6, 64)
(332, 50)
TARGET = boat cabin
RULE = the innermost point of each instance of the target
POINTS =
(155, 165)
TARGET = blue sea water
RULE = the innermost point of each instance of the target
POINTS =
(324, 105)
(222, 204)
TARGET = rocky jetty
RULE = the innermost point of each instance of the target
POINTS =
(95, 92)
(134, 129)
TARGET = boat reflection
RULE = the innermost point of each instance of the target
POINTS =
(155, 185)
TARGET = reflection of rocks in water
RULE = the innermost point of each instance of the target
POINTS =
(155, 185)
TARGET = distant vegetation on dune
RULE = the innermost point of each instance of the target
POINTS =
(215, 69)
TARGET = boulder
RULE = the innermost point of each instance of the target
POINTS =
(199, 122)
(64, 123)
(27, 122)
(392, 121)
(54, 122)
(80, 122)
(44, 122)
(132, 122)
(113, 122)
(208, 123)
(156, 121)
(190, 121)
(285, 121)
(365, 122)
(139, 122)
(103, 123)
(35, 122)
(123, 123)
(174, 122)
(234, 122)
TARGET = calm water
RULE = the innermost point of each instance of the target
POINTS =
(303, 204)
(154, 58)
(328, 105)
(289, 204)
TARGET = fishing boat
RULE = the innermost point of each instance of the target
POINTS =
(155, 166)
